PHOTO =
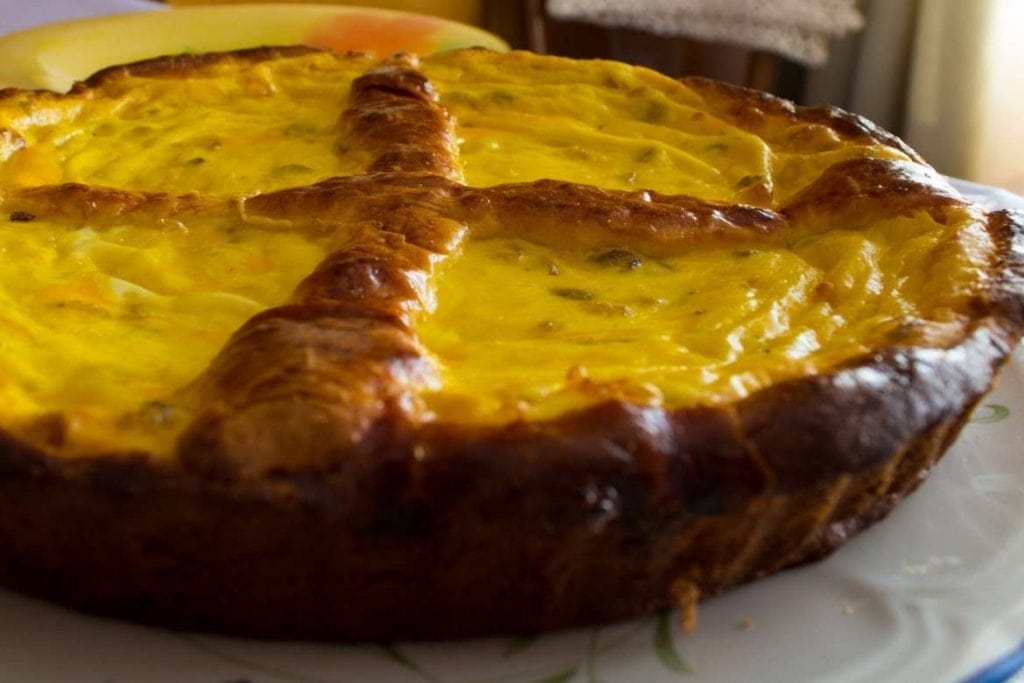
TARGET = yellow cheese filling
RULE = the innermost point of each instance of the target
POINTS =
(264, 127)
(522, 117)
(109, 326)
(525, 332)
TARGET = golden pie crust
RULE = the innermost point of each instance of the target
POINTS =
(315, 480)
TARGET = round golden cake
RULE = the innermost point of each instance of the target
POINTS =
(296, 344)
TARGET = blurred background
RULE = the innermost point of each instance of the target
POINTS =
(946, 75)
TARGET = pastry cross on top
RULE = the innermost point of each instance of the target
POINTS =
(356, 312)
(555, 297)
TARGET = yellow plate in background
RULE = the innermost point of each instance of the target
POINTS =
(466, 11)
(56, 55)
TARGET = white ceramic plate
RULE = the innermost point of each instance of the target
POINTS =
(931, 594)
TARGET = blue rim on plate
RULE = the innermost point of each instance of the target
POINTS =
(1002, 669)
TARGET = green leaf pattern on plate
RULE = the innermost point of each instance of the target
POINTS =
(277, 674)
(665, 646)
(990, 413)
(561, 677)
(583, 669)
(391, 651)
(519, 644)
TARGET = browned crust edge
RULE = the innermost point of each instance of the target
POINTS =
(748, 106)
(513, 530)
(183, 65)
(170, 66)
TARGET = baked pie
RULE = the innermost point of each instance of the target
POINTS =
(298, 344)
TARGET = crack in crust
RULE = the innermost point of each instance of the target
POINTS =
(311, 448)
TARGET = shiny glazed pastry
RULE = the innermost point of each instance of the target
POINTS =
(295, 344)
